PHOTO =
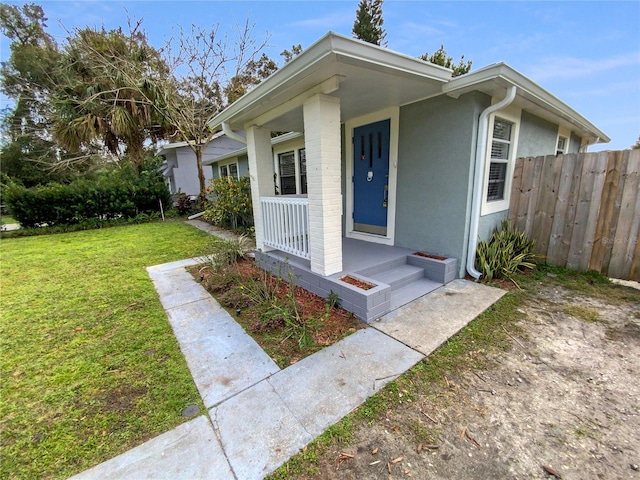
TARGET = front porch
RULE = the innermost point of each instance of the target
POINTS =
(398, 275)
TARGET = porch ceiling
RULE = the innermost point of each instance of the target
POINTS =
(369, 78)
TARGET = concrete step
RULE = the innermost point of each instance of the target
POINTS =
(408, 293)
(399, 275)
(383, 267)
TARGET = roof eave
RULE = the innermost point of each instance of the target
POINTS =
(543, 98)
(340, 47)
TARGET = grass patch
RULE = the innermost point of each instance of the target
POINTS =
(592, 284)
(586, 314)
(4, 219)
(89, 363)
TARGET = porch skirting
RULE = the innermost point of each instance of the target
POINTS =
(398, 276)
(364, 304)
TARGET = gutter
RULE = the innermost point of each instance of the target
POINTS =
(480, 161)
(233, 135)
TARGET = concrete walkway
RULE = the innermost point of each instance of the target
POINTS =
(258, 415)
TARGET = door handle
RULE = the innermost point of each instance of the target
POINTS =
(385, 198)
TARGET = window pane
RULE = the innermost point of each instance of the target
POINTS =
(287, 164)
(500, 150)
(562, 145)
(287, 167)
(223, 171)
(502, 129)
(233, 170)
(497, 177)
(287, 185)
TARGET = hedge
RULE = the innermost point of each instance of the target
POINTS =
(114, 195)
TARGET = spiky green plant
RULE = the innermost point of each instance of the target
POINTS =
(505, 252)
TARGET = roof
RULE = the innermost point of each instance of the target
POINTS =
(494, 80)
(353, 70)
(243, 151)
(369, 78)
(172, 146)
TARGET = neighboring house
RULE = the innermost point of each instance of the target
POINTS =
(392, 152)
(180, 167)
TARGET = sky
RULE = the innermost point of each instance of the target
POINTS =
(585, 53)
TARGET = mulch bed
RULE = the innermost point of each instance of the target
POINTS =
(428, 255)
(326, 325)
(356, 282)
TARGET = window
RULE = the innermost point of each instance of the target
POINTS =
(563, 143)
(501, 147)
(229, 170)
(287, 173)
(290, 165)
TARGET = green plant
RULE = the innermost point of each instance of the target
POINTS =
(222, 253)
(231, 204)
(333, 299)
(505, 252)
(113, 194)
(586, 314)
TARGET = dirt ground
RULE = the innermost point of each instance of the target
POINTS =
(562, 402)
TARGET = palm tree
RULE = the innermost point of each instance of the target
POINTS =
(97, 107)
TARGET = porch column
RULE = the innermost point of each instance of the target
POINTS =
(260, 174)
(322, 143)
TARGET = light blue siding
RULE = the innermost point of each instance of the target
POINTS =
(435, 160)
(574, 143)
(537, 136)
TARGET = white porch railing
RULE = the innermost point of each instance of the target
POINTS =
(286, 224)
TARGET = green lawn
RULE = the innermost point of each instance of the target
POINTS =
(89, 364)
(8, 219)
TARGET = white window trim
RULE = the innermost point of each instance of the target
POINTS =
(511, 114)
(226, 164)
(392, 114)
(566, 133)
(294, 147)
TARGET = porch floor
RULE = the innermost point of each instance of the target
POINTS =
(357, 256)
(398, 278)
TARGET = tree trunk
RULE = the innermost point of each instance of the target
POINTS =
(203, 187)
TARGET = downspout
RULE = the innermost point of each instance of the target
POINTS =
(233, 135)
(481, 154)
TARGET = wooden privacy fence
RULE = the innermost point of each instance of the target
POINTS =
(582, 209)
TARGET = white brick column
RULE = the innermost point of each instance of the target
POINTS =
(261, 175)
(322, 143)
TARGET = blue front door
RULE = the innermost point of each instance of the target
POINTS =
(371, 177)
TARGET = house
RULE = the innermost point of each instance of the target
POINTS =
(398, 168)
(180, 167)
(236, 163)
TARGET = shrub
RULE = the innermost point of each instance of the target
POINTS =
(507, 251)
(114, 194)
(222, 253)
(231, 205)
(184, 205)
